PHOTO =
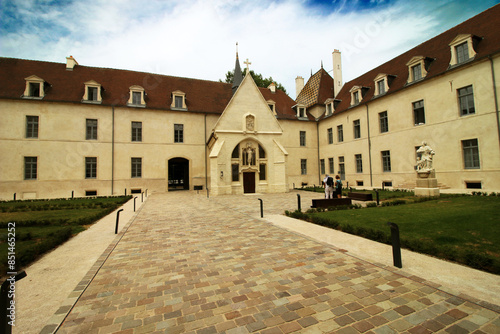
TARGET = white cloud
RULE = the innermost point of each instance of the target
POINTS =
(196, 38)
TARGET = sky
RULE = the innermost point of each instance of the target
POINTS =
(282, 39)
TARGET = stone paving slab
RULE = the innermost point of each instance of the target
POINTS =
(188, 264)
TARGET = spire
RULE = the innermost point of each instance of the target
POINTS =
(238, 77)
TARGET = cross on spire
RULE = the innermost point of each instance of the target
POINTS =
(246, 62)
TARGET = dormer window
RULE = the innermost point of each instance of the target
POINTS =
(178, 100)
(301, 111)
(34, 88)
(92, 92)
(462, 48)
(417, 68)
(136, 98)
(329, 106)
(357, 94)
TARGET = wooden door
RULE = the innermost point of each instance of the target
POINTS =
(248, 182)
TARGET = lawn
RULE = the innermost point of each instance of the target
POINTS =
(464, 229)
(42, 225)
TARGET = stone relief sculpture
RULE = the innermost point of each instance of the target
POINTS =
(250, 123)
(424, 159)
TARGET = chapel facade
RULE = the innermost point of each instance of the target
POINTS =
(72, 130)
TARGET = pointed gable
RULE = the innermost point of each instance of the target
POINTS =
(248, 112)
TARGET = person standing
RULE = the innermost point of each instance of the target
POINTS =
(338, 186)
(328, 184)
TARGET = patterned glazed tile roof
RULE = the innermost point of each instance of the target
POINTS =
(318, 88)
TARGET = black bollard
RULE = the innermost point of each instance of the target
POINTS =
(396, 245)
(146, 193)
(142, 197)
(14, 196)
(298, 202)
(8, 309)
(134, 202)
(72, 194)
(376, 192)
(125, 191)
(117, 220)
(261, 208)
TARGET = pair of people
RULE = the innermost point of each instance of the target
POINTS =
(333, 189)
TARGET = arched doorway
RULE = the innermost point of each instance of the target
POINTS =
(178, 174)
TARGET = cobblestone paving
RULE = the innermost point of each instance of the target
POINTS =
(189, 264)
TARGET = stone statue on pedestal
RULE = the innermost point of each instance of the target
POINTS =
(426, 184)
(424, 159)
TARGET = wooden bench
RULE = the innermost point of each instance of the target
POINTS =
(360, 196)
(326, 203)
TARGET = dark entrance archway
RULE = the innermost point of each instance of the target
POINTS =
(178, 174)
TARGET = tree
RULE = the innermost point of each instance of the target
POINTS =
(260, 81)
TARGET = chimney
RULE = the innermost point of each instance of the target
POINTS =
(70, 63)
(272, 87)
(337, 72)
(299, 85)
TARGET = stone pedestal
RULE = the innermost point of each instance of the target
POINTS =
(427, 185)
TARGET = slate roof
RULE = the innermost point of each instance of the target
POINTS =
(485, 25)
(68, 86)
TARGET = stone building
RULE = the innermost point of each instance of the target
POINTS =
(72, 129)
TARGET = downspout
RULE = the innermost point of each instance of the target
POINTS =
(206, 148)
(112, 150)
(495, 95)
(369, 146)
(319, 160)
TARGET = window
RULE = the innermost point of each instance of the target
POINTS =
(178, 100)
(331, 168)
(137, 97)
(30, 168)
(356, 97)
(471, 154)
(357, 129)
(416, 72)
(91, 129)
(262, 153)
(178, 133)
(136, 131)
(92, 92)
(235, 172)
(341, 168)
(31, 126)
(383, 121)
(463, 48)
(262, 172)
(90, 167)
(386, 161)
(462, 51)
(473, 185)
(381, 87)
(136, 167)
(418, 112)
(303, 166)
(466, 101)
(329, 109)
(301, 112)
(302, 138)
(359, 163)
(34, 89)
(236, 152)
(330, 136)
(340, 133)
(322, 166)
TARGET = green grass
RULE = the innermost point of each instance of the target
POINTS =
(464, 229)
(42, 225)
